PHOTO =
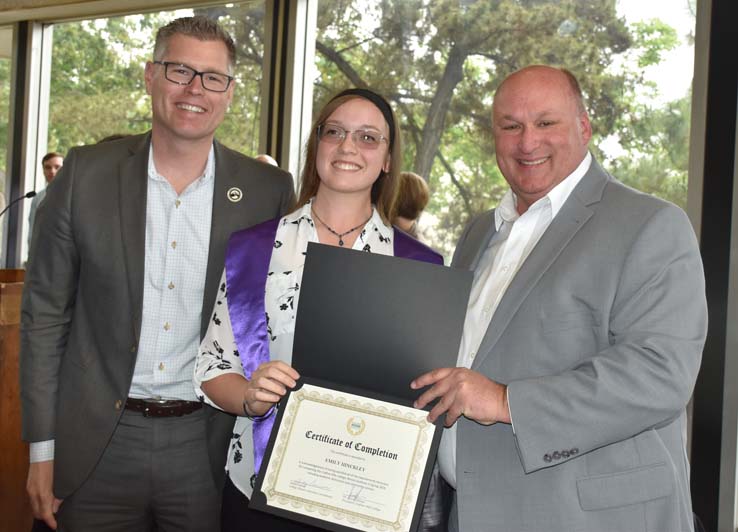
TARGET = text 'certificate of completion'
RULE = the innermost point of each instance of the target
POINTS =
(349, 460)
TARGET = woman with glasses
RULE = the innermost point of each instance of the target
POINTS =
(347, 196)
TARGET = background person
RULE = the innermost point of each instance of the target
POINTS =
(347, 192)
(582, 339)
(412, 199)
(123, 273)
(266, 158)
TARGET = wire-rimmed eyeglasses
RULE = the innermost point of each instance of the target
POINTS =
(363, 138)
(183, 75)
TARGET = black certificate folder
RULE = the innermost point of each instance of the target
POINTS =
(375, 322)
(348, 451)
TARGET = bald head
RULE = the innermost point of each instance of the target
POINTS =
(541, 130)
(542, 74)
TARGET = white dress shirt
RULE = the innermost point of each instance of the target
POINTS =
(176, 258)
(516, 237)
(294, 232)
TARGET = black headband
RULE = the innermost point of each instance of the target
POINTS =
(379, 102)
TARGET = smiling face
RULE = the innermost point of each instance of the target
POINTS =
(188, 112)
(541, 132)
(346, 167)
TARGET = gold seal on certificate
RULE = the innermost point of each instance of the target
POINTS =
(348, 460)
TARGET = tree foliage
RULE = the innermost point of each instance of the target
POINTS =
(97, 86)
(438, 61)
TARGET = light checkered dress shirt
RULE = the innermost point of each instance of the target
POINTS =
(177, 243)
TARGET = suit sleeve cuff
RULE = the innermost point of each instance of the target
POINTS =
(509, 410)
(41, 451)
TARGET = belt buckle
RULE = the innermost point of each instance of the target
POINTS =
(153, 402)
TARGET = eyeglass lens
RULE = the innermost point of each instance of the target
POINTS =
(183, 75)
(365, 138)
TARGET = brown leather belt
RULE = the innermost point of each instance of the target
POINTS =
(160, 408)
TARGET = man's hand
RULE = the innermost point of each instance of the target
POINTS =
(463, 392)
(267, 386)
(39, 487)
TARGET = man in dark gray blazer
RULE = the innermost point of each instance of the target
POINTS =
(125, 261)
(582, 340)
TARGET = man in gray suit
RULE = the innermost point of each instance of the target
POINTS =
(582, 339)
(126, 257)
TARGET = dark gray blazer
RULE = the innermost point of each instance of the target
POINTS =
(599, 339)
(83, 295)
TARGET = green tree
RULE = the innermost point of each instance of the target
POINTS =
(4, 118)
(440, 61)
(659, 160)
(97, 86)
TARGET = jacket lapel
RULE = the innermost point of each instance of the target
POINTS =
(475, 243)
(224, 222)
(571, 218)
(132, 179)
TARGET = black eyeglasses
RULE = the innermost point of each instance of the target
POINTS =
(183, 75)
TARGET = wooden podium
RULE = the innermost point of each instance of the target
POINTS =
(15, 509)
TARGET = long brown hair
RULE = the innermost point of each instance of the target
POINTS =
(385, 188)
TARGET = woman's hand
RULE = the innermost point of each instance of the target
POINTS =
(267, 386)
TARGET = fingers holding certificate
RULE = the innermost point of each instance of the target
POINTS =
(267, 386)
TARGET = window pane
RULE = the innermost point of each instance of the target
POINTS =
(97, 82)
(440, 61)
(6, 44)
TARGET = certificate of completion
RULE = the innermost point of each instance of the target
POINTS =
(349, 460)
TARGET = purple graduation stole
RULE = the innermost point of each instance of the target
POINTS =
(247, 265)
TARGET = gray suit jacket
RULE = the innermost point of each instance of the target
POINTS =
(83, 295)
(599, 339)
(38, 198)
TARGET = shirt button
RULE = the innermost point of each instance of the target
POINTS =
(118, 404)
(167, 326)
(177, 203)
(171, 285)
(133, 349)
(174, 244)
(505, 268)
(161, 366)
(472, 354)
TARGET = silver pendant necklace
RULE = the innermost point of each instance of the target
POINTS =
(336, 233)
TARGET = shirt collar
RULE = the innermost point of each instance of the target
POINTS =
(556, 197)
(207, 175)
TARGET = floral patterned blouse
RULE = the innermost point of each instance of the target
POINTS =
(218, 352)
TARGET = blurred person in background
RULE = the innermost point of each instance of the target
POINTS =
(412, 199)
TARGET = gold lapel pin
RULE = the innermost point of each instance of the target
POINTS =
(234, 194)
